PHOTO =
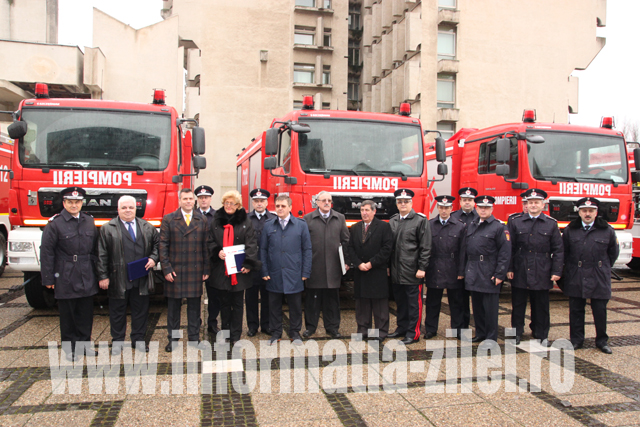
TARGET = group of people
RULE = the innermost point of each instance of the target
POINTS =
(467, 252)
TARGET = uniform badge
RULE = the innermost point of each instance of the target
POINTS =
(485, 200)
(404, 193)
(468, 192)
(444, 200)
(587, 203)
(506, 233)
(258, 194)
(74, 194)
(534, 194)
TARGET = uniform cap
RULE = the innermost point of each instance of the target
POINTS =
(259, 193)
(535, 193)
(468, 192)
(73, 193)
(484, 201)
(404, 193)
(588, 202)
(204, 190)
(445, 200)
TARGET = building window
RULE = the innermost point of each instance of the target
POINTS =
(327, 37)
(303, 73)
(446, 44)
(326, 4)
(447, 129)
(446, 91)
(306, 3)
(326, 75)
(326, 106)
(449, 4)
(303, 38)
(354, 56)
(353, 92)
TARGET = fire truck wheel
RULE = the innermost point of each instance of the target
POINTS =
(37, 295)
(634, 264)
(3, 253)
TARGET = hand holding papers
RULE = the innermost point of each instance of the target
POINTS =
(234, 257)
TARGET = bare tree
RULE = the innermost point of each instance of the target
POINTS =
(631, 131)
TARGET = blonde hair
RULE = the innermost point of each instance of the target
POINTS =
(232, 194)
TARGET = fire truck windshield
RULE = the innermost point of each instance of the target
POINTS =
(361, 148)
(90, 139)
(569, 156)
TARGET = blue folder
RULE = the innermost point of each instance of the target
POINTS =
(136, 269)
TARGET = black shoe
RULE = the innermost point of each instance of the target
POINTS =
(252, 333)
(395, 334)
(335, 335)
(408, 341)
(545, 343)
(169, 347)
(307, 333)
(267, 332)
(477, 339)
(518, 339)
(605, 349)
(273, 340)
(577, 346)
(429, 335)
(213, 330)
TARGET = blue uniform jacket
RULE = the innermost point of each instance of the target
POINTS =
(286, 255)
(488, 255)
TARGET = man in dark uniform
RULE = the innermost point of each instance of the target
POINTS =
(523, 197)
(204, 193)
(537, 257)
(487, 262)
(590, 250)
(259, 215)
(466, 214)
(446, 269)
(67, 253)
(409, 262)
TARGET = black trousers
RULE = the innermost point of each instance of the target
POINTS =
(433, 304)
(257, 314)
(193, 317)
(295, 314)
(231, 306)
(466, 307)
(576, 320)
(409, 302)
(540, 322)
(327, 300)
(76, 319)
(379, 308)
(485, 314)
(213, 305)
(139, 315)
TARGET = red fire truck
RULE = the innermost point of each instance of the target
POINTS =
(567, 161)
(353, 155)
(6, 149)
(110, 149)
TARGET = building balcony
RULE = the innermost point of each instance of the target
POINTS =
(448, 66)
(306, 9)
(448, 114)
(312, 47)
(311, 85)
(449, 16)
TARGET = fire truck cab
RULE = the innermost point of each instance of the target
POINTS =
(567, 161)
(353, 155)
(110, 149)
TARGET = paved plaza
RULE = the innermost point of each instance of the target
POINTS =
(442, 383)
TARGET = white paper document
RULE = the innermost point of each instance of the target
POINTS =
(234, 257)
(344, 270)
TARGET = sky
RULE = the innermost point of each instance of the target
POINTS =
(608, 87)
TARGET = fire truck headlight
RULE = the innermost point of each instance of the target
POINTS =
(625, 245)
(20, 246)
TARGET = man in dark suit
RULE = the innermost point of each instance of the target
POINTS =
(123, 240)
(370, 246)
(204, 193)
(184, 256)
(68, 247)
(259, 216)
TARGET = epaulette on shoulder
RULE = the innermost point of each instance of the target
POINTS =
(516, 214)
(54, 217)
(550, 217)
(421, 214)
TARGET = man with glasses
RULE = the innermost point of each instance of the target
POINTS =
(285, 252)
(329, 235)
(409, 262)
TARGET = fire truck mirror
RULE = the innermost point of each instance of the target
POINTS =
(199, 162)
(535, 139)
(502, 170)
(636, 158)
(442, 169)
(503, 150)
(197, 141)
(441, 153)
(270, 163)
(17, 130)
(271, 142)
(635, 176)
(300, 127)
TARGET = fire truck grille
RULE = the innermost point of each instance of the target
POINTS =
(99, 202)
(564, 210)
(349, 206)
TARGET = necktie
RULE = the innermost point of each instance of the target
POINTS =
(131, 232)
(187, 219)
(443, 222)
(587, 227)
(282, 223)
